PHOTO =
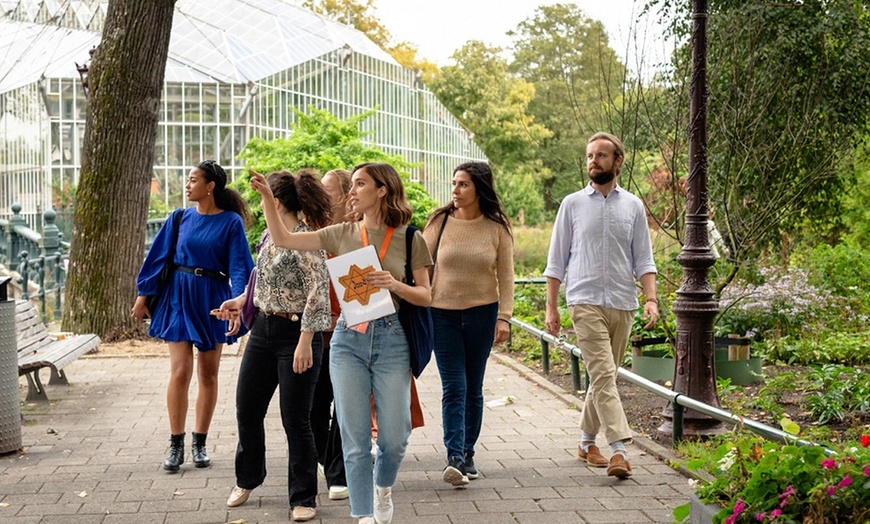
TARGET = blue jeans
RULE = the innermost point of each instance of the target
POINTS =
(463, 341)
(375, 362)
(266, 364)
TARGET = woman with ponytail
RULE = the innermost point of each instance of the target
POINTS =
(211, 263)
(285, 348)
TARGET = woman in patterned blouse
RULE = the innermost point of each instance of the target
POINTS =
(285, 346)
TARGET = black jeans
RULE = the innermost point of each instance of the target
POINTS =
(266, 364)
(324, 423)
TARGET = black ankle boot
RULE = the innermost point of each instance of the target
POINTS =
(175, 458)
(197, 448)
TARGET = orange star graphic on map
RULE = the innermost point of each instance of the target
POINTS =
(356, 287)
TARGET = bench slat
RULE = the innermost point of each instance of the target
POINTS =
(61, 352)
(37, 349)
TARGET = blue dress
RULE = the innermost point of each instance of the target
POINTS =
(213, 242)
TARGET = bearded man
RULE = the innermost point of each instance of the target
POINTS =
(600, 245)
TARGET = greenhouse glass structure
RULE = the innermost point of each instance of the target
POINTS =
(236, 69)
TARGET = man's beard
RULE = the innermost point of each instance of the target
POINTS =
(602, 178)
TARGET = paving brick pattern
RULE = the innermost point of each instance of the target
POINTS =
(94, 456)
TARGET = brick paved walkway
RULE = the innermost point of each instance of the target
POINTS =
(94, 456)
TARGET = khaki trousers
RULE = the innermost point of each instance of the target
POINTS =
(602, 336)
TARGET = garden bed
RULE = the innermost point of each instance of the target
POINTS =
(644, 411)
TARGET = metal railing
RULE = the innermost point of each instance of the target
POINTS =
(679, 401)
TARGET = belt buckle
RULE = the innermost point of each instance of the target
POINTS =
(197, 271)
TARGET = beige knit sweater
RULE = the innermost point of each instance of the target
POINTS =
(474, 265)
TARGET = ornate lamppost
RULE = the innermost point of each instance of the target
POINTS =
(696, 307)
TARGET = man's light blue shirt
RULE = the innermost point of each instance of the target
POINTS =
(600, 247)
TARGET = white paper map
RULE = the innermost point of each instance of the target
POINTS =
(360, 301)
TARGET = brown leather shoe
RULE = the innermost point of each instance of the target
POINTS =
(593, 457)
(619, 467)
(303, 513)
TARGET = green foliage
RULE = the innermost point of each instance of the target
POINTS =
(157, 208)
(530, 301)
(840, 392)
(531, 245)
(479, 90)
(577, 78)
(775, 304)
(856, 213)
(520, 194)
(758, 481)
(786, 110)
(838, 348)
(322, 141)
(769, 397)
(493, 104)
(844, 270)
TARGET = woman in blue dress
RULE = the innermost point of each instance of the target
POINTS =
(212, 262)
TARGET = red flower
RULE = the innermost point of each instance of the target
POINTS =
(865, 440)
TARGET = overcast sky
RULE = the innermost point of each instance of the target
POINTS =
(439, 27)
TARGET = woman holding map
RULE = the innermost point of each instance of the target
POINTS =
(371, 358)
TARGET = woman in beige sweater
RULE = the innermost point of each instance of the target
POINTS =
(472, 301)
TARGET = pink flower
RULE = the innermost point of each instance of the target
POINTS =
(739, 506)
(786, 496)
(865, 440)
(845, 482)
(775, 513)
(829, 464)
(867, 471)
(832, 490)
(760, 516)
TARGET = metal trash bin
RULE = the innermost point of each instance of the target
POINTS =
(10, 400)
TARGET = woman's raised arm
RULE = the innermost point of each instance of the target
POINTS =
(305, 241)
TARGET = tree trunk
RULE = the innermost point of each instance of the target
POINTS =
(124, 86)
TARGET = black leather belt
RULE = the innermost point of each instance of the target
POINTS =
(289, 316)
(198, 271)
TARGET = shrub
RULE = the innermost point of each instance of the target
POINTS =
(783, 303)
(839, 392)
(849, 349)
(760, 482)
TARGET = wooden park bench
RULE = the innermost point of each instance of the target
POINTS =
(37, 349)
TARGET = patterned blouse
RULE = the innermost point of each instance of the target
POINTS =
(290, 281)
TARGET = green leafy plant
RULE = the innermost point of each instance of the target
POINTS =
(839, 393)
(322, 141)
(758, 481)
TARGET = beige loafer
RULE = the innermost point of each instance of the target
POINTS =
(302, 513)
(238, 496)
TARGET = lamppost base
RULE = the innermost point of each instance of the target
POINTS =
(698, 429)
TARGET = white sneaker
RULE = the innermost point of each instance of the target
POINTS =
(338, 493)
(365, 520)
(320, 470)
(238, 496)
(383, 505)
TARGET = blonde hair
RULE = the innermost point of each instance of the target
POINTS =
(344, 182)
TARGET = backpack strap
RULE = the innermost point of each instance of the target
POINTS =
(409, 241)
(176, 225)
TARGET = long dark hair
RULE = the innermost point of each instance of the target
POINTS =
(490, 204)
(225, 198)
(395, 209)
(303, 192)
